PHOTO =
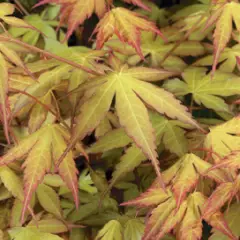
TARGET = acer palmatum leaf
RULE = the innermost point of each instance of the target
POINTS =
(217, 221)
(205, 89)
(130, 93)
(67, 169)
(174, 218)
(75, 12)
(37, 164)
(43, 149)
(186, 174)
(223, 193)
(126, 25)
(223, 139)
(223, 14)
(230, 161)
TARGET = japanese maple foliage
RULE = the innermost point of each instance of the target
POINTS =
(134, 137)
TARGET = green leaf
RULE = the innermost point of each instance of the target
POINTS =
(224, 138)
(49, 200)
(205, 90)
(111, 231)
(85, 182)
(132, 113)
(30, 234)
(51, 225)
(133, 229)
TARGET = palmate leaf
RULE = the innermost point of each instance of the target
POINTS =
(223, 139)
(227, 59)
(133, 229)
(191, 225)
(231, 161)
(222, 16)
(111, 231)
(127, 84)
(224, 192)
(205, 90)
(154, 49)
(186, 220)
(38, 148)
(192, 20)
(200, 6)
(76, 12)
(126, 25)
(185, 173)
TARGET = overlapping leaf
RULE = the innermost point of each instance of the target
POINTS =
(185, 174)
(38, 147)
(205, 90)
(156, 14)
(8, 9)
(227, 59)
(192, 20)
(126, 25)
(30, 36)
(222, 16)
(112, 231)
(55, 73)
(167, 131)
(154, 49)
(126, 83)
(232, 217)
(75, 12)
(186, 220)
(223, 139)
(224, 192)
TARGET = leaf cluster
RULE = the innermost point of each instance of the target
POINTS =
(135, 137)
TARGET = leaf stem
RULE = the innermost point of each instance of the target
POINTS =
(48, 54)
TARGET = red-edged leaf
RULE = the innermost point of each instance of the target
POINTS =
(158, 218)
(153, 196)
(172, 220)
(75, 12)
(230, 161)
(218, 222)
(126, 25)
(223, 193)
(222, 33)
(4, 106)
(67, 169)
(37, 164)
